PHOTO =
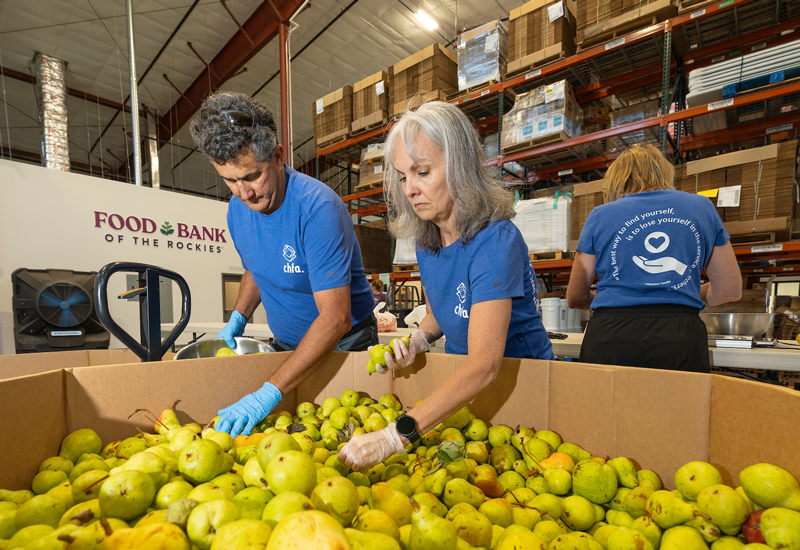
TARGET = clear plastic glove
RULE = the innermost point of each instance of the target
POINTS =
(242, 416)
(234, 328)
(364, 451)
(404, 356)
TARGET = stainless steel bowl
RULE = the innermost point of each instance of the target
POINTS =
(209, 348)
(737, 324)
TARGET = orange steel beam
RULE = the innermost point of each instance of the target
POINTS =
(353, 141)
(373, 210)
(362, 194)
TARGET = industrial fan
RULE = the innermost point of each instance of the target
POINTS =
(54, 311)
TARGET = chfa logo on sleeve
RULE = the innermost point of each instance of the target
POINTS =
(461, 292)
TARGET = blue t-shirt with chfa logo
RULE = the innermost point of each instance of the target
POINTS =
(307, 245)
(651, 248)
(493, 266)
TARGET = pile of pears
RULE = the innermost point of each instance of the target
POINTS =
(462, 485)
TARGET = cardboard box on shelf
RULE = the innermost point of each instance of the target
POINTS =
(593, 13)
(431, 73)
(482, 55)
(332, 116)
(687, 416)
(370, 101)
(541, 31)
(635, 14)
(376, 248)
(585, 196)
(370, 169)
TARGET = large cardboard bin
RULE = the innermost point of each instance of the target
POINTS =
(660, 419)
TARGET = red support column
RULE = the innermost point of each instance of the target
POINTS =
(286, 101)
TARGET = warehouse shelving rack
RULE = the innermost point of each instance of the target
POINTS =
(647, 64)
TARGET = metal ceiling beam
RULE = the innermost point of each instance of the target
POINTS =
(260, 28)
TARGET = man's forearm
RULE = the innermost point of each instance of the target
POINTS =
(315, 347)
(249, 296)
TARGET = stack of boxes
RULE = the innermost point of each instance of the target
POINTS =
(595, 118)
(540, 31)
(482, 55)
(629, 115)
(585, 196)
(370, 171)
(427, 75)
(332, 116)
(599, 19)
(593, 12)
(768, 189)
(548, 113)
(370, 102)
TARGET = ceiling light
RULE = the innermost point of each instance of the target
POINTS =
(426, 20)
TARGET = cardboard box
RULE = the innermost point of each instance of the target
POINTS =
(370, 100)
(535, 38)
(370, 168)
(332, 116)
(585, 196)
(376, 249)
(482, 55)
(633, 14)
(660, 419)
(592, 13)
(431, 70)
(417, 100)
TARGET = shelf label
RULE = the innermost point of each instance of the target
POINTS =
(415, 273)
(379, 87)
(533, 74)
(720, 104)
(697, 14)
(790, 31)
(555, 12)
(565, 172)
(780, 128)
(726, 4)
(758, 47)
(615, 43)
(485, 92)
(65, 333)
(378, 169)
(320, 106)
(788, 269)
(766, 248)
(758, 270)
(718, 59)
(729, 196)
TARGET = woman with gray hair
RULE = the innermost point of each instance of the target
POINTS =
(473, 263)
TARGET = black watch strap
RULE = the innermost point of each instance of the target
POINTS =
(407, 427)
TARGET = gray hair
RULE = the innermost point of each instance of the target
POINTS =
(475, 189)
(222, 141)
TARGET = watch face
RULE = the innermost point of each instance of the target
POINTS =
(406, 425)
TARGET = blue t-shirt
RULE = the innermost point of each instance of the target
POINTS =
(651, 248)
(308, 244)
(493, 266)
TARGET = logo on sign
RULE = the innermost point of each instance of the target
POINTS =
(144, 230)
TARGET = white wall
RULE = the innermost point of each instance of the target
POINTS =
(48, 219)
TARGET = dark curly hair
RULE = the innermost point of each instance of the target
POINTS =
(222, 141)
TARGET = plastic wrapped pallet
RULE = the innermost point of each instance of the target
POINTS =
(371, 166)
(548, 113)
(482, 55)
(629, 115)
(541, 31)
(332, 116)
(545, 223)
(405, 252)
(431, 73)
(370, 101)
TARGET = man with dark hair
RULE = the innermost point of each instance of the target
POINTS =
(298, 248)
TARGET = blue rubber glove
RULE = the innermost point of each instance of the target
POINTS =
(242, 416)
(234, 328)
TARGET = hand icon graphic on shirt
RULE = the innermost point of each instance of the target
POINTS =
(660, 265)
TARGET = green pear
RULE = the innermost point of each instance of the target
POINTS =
(667, 510)
(54, 540)
(172, 491)
(625, 538)
(727, 543)
(547, 531)
(291, 471)
(534, 451)
(436, 482)
(400, 483)
(110, 450)
(522, 540)
(485, 478)
(649, 478)
(520, 436)
(724, 508)
(620, 519)
(338, 497)
(57, 463)
(274, 444)
(770, 486)
(708, 530)
(500, 435)
(78, 442)
(523, 495)
(41, 509)
(329, 405)
(473, 527)
(693, 477)
(326, 472)
(377, 521)
(548, 504)
(159, 469)
(7, 526)
(241, 534)
(521, 468)
(498, 510)
(126, 495)
(649, 528)
(370, 541)
(287, 502)
(390, 401)
(594, 481)
(616, 502)
(81, 514)
(682, 538)
(460, 508)
(432, 503)
(87, 465)
(511, 480)
(579, 513)
(203, 460)
(29, 534)
(253, 474)
(429, 531)
(251, 502)
(233, 482)
(87, 486)
(130, 446)
(460, 490)
(551, 437)
(526, 517)
(156, 516)
(602, 534)
(46, 480)
(209, 491)
(625, 470)
(208, 518)
(393, 502)
(305, 530)
(635, 501)
(781, 528)
(578, 453)
(559, 482)
(476, 430)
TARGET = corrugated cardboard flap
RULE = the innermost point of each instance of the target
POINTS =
(588, 188)
(369, 81)
(412, 60)
(732, 159)
(536, 4)
(25, 364)
(480, 30)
